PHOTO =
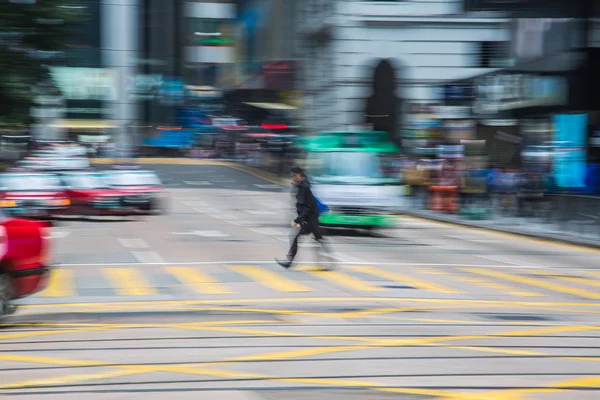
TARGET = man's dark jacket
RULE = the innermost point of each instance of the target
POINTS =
(306, 205)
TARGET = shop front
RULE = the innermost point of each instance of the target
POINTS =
(537, 116)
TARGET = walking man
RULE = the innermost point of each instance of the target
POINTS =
(307, 221)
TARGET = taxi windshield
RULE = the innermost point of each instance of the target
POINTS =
(87, 181)
(19, 182)
(134, 179)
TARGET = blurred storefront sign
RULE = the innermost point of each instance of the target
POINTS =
(455, 131)
(85, 83)
(171, 92)
(510, 91)
(144, 87)
(153, 62)
(214, 41)
(451, 152)
(457, 92)
(93, 138)
(453, 112)
(570, 134)
(86, 110)
(417, 108)
(422, 134)
(499, 122)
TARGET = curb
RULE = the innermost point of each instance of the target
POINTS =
(256, 172)
(589, 244)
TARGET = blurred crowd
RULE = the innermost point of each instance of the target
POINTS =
(453, 187)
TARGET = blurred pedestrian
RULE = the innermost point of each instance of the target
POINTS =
(307, 221)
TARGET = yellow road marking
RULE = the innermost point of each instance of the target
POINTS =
(535, 282)
(65, 380)
(297, 353)
(468, 322)
(316, 381)
(546, 388)
(442, 395)
(575, 279)
(341, 279)
(403, 279)
(500, 395)
(270, 279)
(239, 330)
(544, 331)
(128, 282)
(496, 350)
(404, 300)
(483, 283)
(133, 370)
(127, 326)
(593, 273)
(199, 281)
(51, 361)
(589, 382)
(60, 284)
(19, 335)
(430, 271)
(497, 286)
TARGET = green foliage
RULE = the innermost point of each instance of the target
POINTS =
(29, 33)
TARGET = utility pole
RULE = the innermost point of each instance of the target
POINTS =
(119, 53)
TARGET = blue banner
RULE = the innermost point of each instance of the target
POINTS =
(570, 137)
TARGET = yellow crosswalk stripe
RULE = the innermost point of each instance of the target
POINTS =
(487, 284)
(199, 281)
(270, 279)
(535, 282)
(128, 282)
(403, 279)
(497, 286)
(575, 279)
(341, 279)
(593, 273)
(60, 284)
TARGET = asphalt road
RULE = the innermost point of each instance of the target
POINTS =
(191, 305)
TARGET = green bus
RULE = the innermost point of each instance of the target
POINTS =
(357, 175)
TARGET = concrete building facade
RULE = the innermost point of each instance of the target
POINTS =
(413, 45)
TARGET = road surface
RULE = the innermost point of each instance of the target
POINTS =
(190, 305)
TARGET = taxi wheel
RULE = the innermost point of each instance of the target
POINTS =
(5, 293)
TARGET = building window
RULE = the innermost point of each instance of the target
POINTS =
(492, 55)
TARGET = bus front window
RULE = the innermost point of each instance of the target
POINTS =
(344, 166)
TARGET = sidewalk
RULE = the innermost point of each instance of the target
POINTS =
(580, 233)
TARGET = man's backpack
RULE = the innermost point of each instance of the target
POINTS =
(321, 207)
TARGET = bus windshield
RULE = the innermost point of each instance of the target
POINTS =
(349, 167)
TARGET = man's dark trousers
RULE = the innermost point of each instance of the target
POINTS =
(311, 225)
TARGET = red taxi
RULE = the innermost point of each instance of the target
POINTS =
(33, 195)
(24, 258)
(142, 190)
(90, 194)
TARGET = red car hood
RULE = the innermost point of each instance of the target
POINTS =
(100, 192)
